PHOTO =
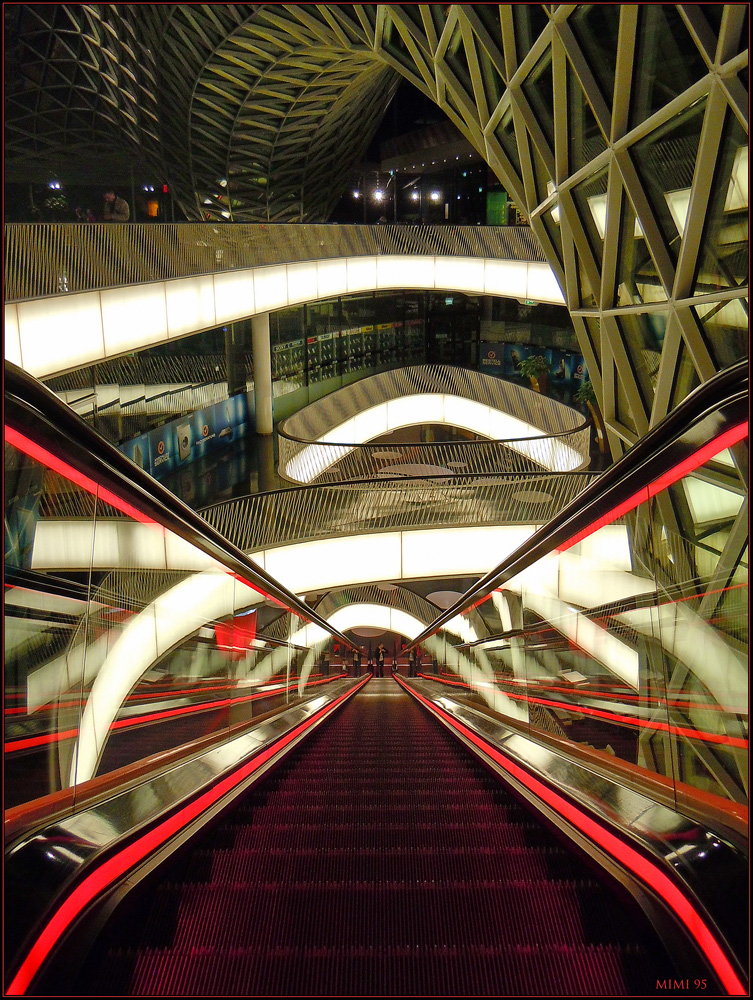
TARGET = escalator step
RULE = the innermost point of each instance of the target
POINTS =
(377, 860)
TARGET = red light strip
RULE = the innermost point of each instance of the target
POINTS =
(692, 462)
(98, 880)
(168, 713)
(646, 870)
(56, 464)
(627, 720)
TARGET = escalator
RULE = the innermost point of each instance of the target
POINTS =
(378, 859)
(167, 832)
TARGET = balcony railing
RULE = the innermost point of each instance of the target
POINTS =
(533, 432)
(43, 259)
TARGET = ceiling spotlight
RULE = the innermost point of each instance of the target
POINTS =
(378, 195)
(414, 195)
(356, 194)
(435, 195)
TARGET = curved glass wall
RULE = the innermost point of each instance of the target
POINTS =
(628, 643)
(126, 639)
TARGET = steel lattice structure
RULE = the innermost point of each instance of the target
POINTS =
(591, 116)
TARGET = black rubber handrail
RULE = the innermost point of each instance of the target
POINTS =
(33, 410)
(714, 406)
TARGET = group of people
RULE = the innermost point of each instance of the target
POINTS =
(378, 660)
(114, 209)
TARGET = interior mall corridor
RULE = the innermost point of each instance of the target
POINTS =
(379, 859)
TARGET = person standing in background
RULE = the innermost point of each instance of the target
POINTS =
(115, 209)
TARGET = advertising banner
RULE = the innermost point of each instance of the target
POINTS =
(182, 441)
(566, 368)
(490, 358)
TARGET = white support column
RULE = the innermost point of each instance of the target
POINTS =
(262, 353)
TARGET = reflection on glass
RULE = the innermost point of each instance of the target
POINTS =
(590, 200)
(667, 61)
(538, 87)
(724, 259)
(629, 641)
(665, 160)
(585, 138)
(596, 27)
(47, 607)
(637, 278)
(643, 335)
(123, 640)
(725, 328)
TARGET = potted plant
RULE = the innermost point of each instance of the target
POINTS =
(535, 368)
(587, 394)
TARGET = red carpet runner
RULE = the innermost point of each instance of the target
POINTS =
(379, 860)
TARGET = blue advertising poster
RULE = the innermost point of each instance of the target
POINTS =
(490, 358)
(566, 368)
(181, 441)
(138, 452)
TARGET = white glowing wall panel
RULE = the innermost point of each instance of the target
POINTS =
(133, 316)
(59, 333)
(271, 287)
(376, 616)
(180, 553)
(323, 564)
(116, 543)
(234, 295)
(427, 408)
(709, 502)
(506, 277)
(65, 545)
(609, 546)
(459, 551)
(460, 272)
(405, 272)
(362, 274)
(302, 282)
(12, 336)
(332, 277)
(368, 424)
(468, 413)
(190, 305)
(65, 331)
(542, 284)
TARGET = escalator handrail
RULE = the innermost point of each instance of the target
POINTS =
(32, 408)
(711, 408)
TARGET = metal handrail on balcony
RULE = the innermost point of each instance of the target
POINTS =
(311, 451)
(267, 520)
(44, 259)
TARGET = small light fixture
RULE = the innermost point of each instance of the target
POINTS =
(378, 195)
(435, 195)
(414, 195)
